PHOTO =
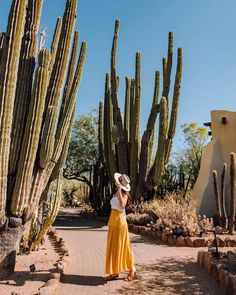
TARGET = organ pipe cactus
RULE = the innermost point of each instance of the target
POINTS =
(34, 126)
(54, 203)
(133, 154)
(227, 220)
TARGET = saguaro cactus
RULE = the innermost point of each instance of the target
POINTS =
(33, 142)
(132, 155)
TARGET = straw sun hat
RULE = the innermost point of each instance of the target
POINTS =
(123, 180)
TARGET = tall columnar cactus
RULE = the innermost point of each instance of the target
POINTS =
(132, 155)
(226, 219)
(217, 197)
(54, 202)
(222, 197)
(232, 194)
(33, 137)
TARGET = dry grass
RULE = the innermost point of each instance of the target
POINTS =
(172, 215)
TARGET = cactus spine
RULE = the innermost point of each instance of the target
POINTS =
(8, 80)
(56, 82)
(232, 194)
(225, 221)
(217, 197)
(31, 136)
(38, 138)
(132, 156)
(54, 206)
(121, 146)
(222, 198)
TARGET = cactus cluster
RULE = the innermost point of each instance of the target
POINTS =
(121, 145)
(226, 221)
(54, 201)
(34, 125)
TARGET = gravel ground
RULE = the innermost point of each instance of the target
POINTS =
(23, 282)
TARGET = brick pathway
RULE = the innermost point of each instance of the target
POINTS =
(161, 269)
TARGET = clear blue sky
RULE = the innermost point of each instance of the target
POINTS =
(206, 29)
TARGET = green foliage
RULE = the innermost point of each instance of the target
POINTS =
(189, 157)
(83, 148)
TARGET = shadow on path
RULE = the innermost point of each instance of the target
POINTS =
(83, 280)
(72, 220)
(170, 276)
(19, 278)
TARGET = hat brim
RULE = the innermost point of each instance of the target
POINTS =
(125, 188)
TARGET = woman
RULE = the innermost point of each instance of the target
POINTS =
(119, 255)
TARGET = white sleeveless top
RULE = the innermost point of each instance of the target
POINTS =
(115, 204)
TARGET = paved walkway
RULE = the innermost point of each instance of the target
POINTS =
(161, 269)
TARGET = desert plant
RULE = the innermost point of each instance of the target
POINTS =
(32, 135)
(139, 218)
(227, 221)
(54, 201)
(122, 148)
(173, 215)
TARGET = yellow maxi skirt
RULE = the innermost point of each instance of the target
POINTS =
(119, 254)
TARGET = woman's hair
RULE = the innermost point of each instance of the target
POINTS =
(129, 198)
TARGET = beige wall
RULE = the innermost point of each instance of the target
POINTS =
(216, 153)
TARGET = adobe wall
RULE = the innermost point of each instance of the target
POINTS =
(216, 153)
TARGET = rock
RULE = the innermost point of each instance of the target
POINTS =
(55, 275)
(158, 234)
(14, 222)
(214, 271)
(64, 249)
(153, 233)
(61, 240)
(209, 242)
(181, 242)
(234, 284)
(218, 230)
(60, 267)
(172, 240)
(200, 257)
(53, 231)
(231, 252)
(32, 268)
(148, 231)
(230, 286)
(199, 242)
(57, 238)
(190, 241)
(207, 261)
(220, 242)
(230, 242)
(53, 283)
(131, 227)
(164, 238)
(138, 229)
(223, 278)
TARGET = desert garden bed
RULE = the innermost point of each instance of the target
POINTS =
(173, 220)
(223, 240)
(222, 269)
